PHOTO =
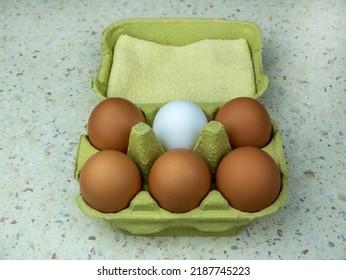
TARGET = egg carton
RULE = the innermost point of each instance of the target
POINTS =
(214, 216)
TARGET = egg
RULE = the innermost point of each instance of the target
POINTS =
(178, 124)
(110, 124)
(246, 122)
(248, 178)
(179, 180)
(109, 180)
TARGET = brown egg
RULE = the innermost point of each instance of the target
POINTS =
(109, 180)
(246, 122)
(179, 180)
(110, 124)
(249, 179)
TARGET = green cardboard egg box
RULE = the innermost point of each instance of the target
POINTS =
(214, 216)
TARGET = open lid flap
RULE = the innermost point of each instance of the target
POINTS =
(180, 43)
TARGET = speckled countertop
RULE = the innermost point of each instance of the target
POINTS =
(49, 52)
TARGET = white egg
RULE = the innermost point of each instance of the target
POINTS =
(178, 124)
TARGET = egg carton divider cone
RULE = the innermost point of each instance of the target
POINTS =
(214, 216)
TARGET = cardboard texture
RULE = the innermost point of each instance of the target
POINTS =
(204, 71)
(214, 216)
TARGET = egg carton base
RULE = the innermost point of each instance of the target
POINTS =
(212, 218)
(187, 231)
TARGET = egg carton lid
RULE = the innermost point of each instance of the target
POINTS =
(180, 32)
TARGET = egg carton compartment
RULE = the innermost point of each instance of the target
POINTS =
(214, 215)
